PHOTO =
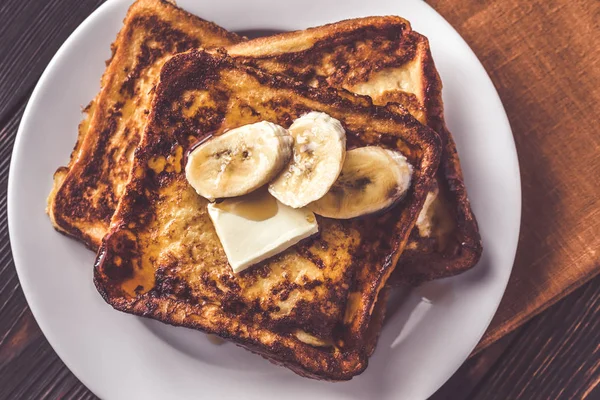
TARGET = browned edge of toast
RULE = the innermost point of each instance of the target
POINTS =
(85, 193)
(111, 272)
(416, 267)
(298, 54)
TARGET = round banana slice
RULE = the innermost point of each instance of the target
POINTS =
(239, 161)
(372, 179)
(318, 156)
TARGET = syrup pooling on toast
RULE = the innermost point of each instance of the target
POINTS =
(253, 224)
(251, 207)
(308, 287)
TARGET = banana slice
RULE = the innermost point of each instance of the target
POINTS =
(239, 161)
(372, 179)
(319, 151)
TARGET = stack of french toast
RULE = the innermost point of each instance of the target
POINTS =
(269, 191)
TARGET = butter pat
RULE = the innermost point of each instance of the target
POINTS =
(255, 227)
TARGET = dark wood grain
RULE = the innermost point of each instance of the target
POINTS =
(562, 362)
(12, 303)
(554, 356)
(30, 34)
(474, 370)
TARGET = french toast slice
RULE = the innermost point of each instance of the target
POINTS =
(382, 57)
(308, 308)
(85, 193)
(377, 56)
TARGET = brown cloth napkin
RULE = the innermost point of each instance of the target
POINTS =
(544, 58)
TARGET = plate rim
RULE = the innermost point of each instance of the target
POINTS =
(11, 191)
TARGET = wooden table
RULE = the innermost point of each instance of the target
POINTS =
(556, 355)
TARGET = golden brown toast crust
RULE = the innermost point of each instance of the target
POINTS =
(460, 249)
(347, 54)
(85, 193)
(162, 258)
(383, 58)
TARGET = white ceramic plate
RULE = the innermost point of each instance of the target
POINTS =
(118, 356)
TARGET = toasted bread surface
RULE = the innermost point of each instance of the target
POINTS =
(376, 56)
(382, 57)
(86, 192)
(309, 307)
